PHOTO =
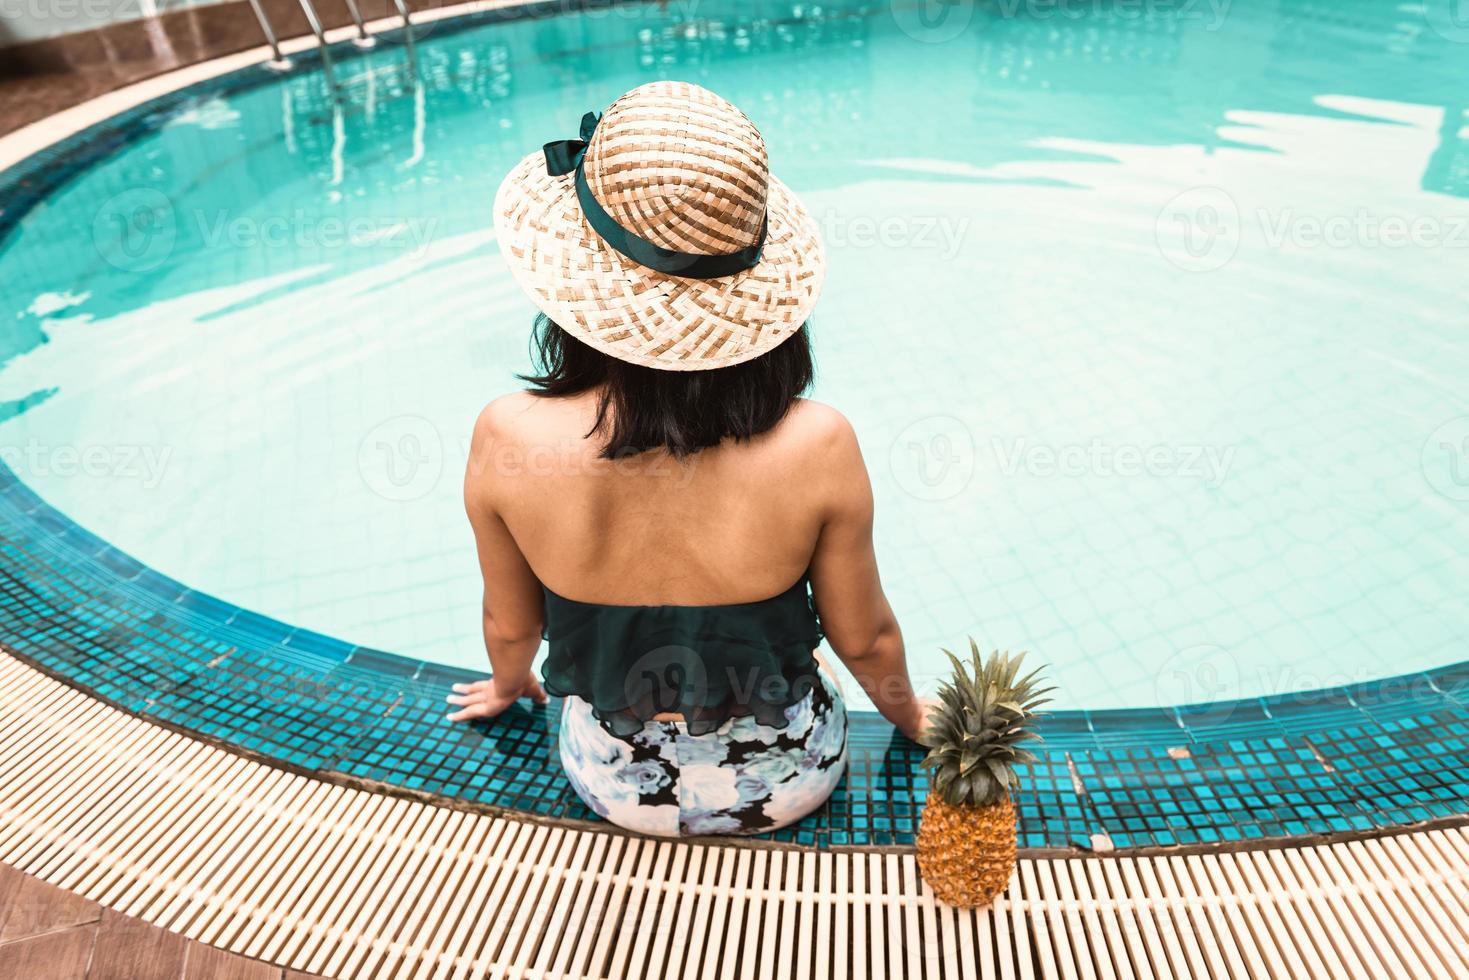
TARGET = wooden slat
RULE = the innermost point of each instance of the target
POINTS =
(1092, 888)
(1087, 938)
(560, 922)
(334, 880)
(1317, 928)
(446, 905)
(858, 949)
(468, 910)
(662, 959)
(1438, 898)
(641, 910)
(1148, 949)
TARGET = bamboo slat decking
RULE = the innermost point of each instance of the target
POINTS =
(342, 881)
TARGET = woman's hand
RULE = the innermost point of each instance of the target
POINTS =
(484, 699)
(916, 723)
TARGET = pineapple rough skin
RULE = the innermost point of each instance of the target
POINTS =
(966, 853)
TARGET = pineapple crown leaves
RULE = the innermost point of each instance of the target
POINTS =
(986, 711)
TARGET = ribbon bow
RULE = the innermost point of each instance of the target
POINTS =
(564, 156)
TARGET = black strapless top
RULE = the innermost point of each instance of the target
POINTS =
(708, 663)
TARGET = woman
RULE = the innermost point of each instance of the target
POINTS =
(659, 501)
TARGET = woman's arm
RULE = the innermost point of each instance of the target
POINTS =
(859, 622)
(513, 604)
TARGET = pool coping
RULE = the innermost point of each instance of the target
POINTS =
(33, 165)
(459, 803)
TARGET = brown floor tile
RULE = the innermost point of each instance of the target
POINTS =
(210, 963)
(30, 907)
(130, 949)
(10, 880)
(53, 934)
(57, 956)
(43, 77)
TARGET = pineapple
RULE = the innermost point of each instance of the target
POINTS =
(966, 839)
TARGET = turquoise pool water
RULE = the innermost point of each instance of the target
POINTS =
(1151, 318)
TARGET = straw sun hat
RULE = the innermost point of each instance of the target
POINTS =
(660, 237)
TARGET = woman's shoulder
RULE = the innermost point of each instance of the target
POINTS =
(814, 447)
(816, 426)
(520, 435)
(523, 418)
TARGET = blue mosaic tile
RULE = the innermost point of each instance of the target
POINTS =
(205, 606)
(318, 644)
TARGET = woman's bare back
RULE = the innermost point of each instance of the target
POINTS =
(735, 523)
(738, 522)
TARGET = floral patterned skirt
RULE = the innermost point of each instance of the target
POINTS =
(742, 778)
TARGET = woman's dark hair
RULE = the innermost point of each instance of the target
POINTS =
(641, 408)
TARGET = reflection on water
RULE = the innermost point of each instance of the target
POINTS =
(838, 89)
(1225, 237)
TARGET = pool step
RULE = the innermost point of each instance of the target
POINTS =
(343, 881)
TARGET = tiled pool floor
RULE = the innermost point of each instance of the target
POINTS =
(1352, 759)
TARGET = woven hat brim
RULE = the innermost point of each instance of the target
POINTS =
(642, 316)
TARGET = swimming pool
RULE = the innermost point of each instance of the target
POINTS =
(1181, 288)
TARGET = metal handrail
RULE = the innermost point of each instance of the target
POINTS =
(363, 39)
(277, 59)
(309, 10)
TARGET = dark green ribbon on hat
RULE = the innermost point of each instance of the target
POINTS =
(565, 156)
